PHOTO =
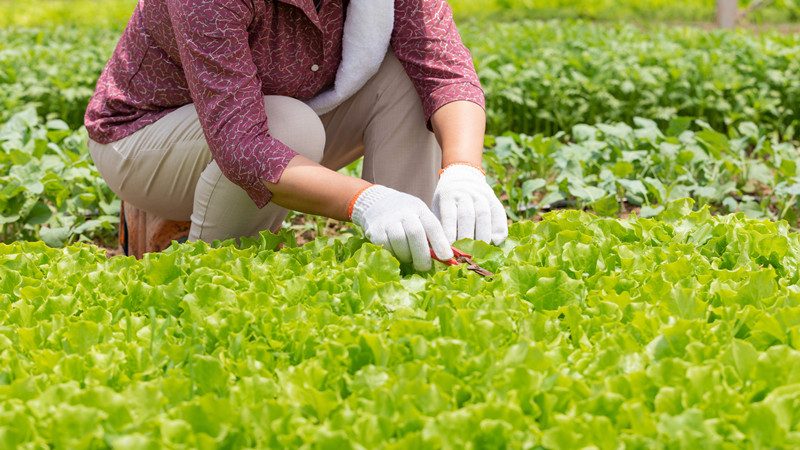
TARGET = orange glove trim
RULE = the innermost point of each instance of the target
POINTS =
(353, 202)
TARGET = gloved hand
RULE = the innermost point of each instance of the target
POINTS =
(402, 223)
(467, 206)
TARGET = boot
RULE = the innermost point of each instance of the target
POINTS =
(142, 232)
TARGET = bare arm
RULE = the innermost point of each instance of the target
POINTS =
(459, 127)
(311, 188)
(465, 204)
(308, 187)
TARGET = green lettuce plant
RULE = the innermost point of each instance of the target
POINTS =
(547, 77)
(616, 168)
(51, 190)
(600, 332)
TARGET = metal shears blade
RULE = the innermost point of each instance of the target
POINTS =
(459, 258)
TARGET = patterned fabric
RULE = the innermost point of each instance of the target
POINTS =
(224, 55)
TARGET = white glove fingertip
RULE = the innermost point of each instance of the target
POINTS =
(466, 219)
(437, 239)
(443, 252)
(483, 220)
(379, 238)
(423, 263)
(418, 243)
(484, 233)
(398, 238)
(499, 238)
(499, 223)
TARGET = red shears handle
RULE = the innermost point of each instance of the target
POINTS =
(459, 258)
(454, 260)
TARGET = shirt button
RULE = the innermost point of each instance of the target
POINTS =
(314, 68)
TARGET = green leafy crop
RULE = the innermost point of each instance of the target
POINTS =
(53, 70)
(613, 168)
(615, 10)
(51, 190)
(546, 77)
(677, 332)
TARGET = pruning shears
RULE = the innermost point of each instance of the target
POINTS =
(459, 258)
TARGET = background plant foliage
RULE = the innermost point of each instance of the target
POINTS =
(52, 69)
(614, 10)
(541, 78)
(674, 332)
(50, 188)
(612, 168)
(545, 77)
(74, 13)
(669, 329)
(116, 12)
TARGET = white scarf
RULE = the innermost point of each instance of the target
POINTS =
(367, 32)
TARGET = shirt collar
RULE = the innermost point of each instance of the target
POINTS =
(307, 6)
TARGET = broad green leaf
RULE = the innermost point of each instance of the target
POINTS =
(590, 194)
(648, 211)
(54, 237)
(606, 206)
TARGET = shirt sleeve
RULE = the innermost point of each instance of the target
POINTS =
(215, 54)
(426, 41)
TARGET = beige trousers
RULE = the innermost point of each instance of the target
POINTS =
(167, 169)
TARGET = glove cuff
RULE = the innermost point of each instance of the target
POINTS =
(460, 170)
(364, 199)
(353, 201)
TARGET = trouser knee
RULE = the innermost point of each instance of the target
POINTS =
(296, 125)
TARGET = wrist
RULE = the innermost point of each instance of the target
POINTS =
(463, 168)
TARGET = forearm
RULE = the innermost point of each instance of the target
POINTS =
(459, 127)
(310, 188)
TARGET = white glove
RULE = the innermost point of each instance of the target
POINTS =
(467, 206)
(402, 223)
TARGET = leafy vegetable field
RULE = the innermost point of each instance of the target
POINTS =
(545, 77)
(539, 77)
(615, 10)
(678, 332)
(724, 105)
(624, 315)
(116, 12)
(51, 190)
(614, 169)
(52, 69)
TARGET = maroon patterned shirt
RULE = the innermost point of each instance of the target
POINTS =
(224, 55)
